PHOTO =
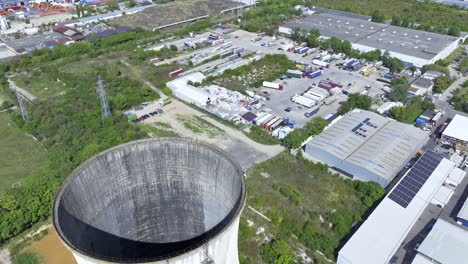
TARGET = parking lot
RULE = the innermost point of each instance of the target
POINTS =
(353, 82)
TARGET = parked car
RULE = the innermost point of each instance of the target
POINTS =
(287, 109)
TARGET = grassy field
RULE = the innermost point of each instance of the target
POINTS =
(308, 206)
(269, 68)
(172, 12)
(199, 125)
(20, 154)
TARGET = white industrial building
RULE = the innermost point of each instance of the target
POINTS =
(190, 94)
(445, 244)
(379, 237)
(385, 107)
(409, 45)
(456, 132)
(367, 146)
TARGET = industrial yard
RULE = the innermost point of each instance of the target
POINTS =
(294, 130)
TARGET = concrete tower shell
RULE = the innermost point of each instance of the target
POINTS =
(166, 200)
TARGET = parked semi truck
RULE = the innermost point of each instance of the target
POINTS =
(295, 74)
(273, 85)
(321, 63)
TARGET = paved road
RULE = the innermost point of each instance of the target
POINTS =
(24, 93)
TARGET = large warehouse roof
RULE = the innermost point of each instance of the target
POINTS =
(457, 128)
(381, 234)
(406, 41)
(446, 243)
(463, 214)
(371, 141)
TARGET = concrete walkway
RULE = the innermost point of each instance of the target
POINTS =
(26, 94)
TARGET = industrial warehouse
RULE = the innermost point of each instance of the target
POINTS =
(367, 146)
(397, 227)
(409, 45)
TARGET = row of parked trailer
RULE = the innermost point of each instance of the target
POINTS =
(271, 122)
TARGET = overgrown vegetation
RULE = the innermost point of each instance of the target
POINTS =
(268, 68)
(27, 258)
(360, 101)
(199, 125)
(259, 135)
(327, 208)
(399, 90)
(296, 137)
(415, 108)
(67, 120)
(460, 98)
(464, 65)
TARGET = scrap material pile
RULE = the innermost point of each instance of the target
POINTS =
(226, 103)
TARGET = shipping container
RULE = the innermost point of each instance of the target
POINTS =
(208, 71)
(330, 100)
(320, 90)
(313, 112)
(369, 71)
(239, 50)
(233, 57)
(295, 74)
(266, 121)
(314, 74)
(226, 45)
(378, 64)
(303, 50)
(132, 117)
(273, 85)
(276, 125)
(262, 120)
(299, 99)
(296, 49)
(226, 54)
(320, 63)
(256, 39)
(312, 96)
(217, 42)
(213, 37)
(329, 117)
(261, 34)
(267, 126)
(176, 73)
(320, 94)
(190, 44)
(259, 117)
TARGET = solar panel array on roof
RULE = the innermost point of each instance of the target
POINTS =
(405, 191)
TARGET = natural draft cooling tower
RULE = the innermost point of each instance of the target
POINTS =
(163, 200)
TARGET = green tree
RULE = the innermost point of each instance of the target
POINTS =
(363, 102)
(454, 31)
(112, 5)
(277, 252)
(313, 38)
(396, 20)
(399, 90)
(130, 4)
(295, 138)
(378, 16)
(440, 84)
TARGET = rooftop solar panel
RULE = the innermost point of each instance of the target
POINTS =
(407, 189)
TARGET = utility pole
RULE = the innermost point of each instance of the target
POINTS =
(24, 113)
(102, 94)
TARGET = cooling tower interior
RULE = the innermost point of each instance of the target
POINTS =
(149, 200)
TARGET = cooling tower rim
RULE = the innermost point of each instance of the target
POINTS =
(238, 207)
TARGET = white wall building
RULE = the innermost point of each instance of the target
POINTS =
(409, 45)
(380, 236)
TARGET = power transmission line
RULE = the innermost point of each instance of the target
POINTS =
(24, 113)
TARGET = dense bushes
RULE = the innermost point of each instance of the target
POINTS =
(363, 102)
(408, 114)
(259, 135)
(295, 138)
